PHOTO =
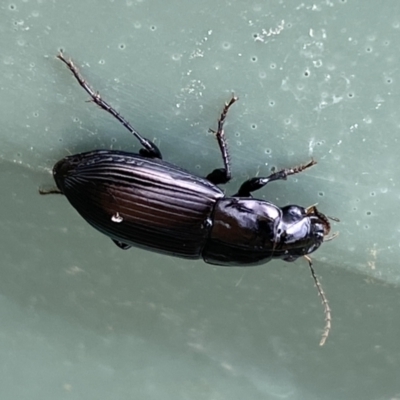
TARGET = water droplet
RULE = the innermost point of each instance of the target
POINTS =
(117, 218)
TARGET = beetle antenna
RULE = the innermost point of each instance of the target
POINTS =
(333, 236)
(327, 309)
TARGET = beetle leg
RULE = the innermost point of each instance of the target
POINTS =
(149, 148)
(254, 184)
(222, 175)
(121, 245)
(50, 191)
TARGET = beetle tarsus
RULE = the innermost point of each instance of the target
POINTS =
(152, 150)
(222, 175)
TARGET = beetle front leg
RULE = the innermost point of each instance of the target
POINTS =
(254, 184)
(222, 175)
(149, 148)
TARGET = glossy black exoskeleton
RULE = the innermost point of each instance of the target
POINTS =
(141, 200)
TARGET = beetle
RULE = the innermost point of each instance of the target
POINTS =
(141, 200)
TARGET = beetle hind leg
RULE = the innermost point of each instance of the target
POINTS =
(149, 148)
(222, 175)
(50, 191)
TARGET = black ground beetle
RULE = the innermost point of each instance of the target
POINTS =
(141, 200)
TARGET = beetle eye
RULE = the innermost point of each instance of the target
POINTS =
(292, 214)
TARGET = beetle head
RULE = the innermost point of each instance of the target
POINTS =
(302, 230)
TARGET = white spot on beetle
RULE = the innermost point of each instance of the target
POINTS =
(116, 218)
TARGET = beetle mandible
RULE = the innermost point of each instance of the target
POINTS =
(141, 200)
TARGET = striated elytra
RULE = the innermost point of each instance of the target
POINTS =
(141, 200)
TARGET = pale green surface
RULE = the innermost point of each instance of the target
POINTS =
(81, 319)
